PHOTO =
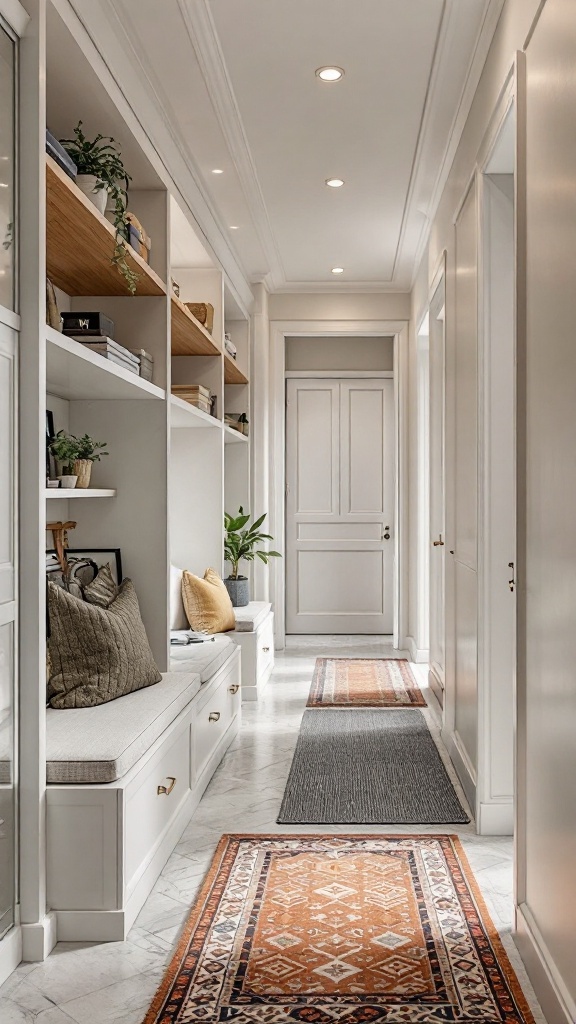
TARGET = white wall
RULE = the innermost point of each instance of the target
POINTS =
(339, 306)
(340, 354)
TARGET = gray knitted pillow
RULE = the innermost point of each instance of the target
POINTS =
(97, 654)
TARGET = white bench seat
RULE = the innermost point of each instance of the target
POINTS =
(205, 658)
(101, 744)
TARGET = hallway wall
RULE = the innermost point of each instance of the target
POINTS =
(546, 784)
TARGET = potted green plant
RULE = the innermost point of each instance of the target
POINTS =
(103, 178)
(241, 543)
(77, 454)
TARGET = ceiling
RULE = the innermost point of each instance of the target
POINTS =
(236, 83)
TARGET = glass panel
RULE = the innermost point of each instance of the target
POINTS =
(7, 792)
(7, 175)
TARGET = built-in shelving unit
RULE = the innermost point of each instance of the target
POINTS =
(76, 374)
(186, 416)
(189, 337)
(232, 436)
(80, 243)
(78, 492)
(232, 372)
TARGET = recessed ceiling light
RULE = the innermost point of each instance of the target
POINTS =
(330, 74)
(217, 170)
(334, 182)
(337, 270)
(233, 227)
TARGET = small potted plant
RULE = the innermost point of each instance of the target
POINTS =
(241, 543)
(76, 454)
(103, 178)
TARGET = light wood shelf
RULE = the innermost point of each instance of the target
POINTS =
(183, 415)
(232, 372)
(189, 336)
(75, 373)
(232, 436)
(79, 492)
(80, 243)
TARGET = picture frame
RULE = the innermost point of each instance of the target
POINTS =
(101, 556)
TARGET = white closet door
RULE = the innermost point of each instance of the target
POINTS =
(340, 506)
(437, 493)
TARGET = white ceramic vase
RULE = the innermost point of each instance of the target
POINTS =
(68, 482)
(87, 184)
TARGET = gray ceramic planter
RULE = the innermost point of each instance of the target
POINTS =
(239, 591)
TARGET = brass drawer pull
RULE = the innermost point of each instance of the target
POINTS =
(265, 649)
(234, 688)
(214, 716)
(166, 790)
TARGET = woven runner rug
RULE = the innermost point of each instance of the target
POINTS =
(364, 683)
(343, 929)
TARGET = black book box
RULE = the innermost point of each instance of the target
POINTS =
(95, 324)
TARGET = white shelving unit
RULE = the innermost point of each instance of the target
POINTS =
(76, 374)
(61, 493)
(232, 436)
(187, 417)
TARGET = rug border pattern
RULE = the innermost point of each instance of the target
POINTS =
(413, 690)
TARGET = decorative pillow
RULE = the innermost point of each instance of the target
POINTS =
(97, 654)
(178, 618)
(103, 589)
(207, 603)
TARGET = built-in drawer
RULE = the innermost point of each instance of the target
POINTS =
(265, 647)
(152, 799)
(213, 717)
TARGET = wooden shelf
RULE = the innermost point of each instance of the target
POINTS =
(186, 416)
(189, 337)
(232, 372)
(75, 373)
(79, 492)
(80, 243)
(232, 436)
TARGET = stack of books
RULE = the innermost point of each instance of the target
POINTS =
(109, 349)
(194, 394)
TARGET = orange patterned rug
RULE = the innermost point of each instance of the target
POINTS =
(364, 683)
(353, 929)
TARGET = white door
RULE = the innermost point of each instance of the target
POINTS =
(340, 506)
(437, 494)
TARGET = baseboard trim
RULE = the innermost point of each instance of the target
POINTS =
(496, 819)
(551, 992)
(462, 764)
(39, 939)
(436, 687)
(92, 925)
(417, 655)
(10, 952)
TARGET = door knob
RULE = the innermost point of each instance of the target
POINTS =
(438, 543)
(386, 534)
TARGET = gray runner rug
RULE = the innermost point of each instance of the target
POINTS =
(368, 767)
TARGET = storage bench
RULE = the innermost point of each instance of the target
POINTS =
(123, 781)
(254, 634)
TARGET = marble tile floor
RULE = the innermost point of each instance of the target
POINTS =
(113, 983)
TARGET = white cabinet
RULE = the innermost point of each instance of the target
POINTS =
(254, 634)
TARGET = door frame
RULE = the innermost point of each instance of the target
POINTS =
(438, 288)
(279, 331)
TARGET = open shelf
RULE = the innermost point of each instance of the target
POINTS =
(232, 372)
(80, 243)
(186, 416)
(232, 436)
(79, 492)
(189, 337)
(76, 374)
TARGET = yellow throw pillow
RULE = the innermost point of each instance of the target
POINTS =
(207, 603)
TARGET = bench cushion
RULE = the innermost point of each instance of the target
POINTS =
(100, 744)
(205, 659)
(251, 615)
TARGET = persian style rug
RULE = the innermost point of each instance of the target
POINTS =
(364, 683)
(352, 929)
(368, 767)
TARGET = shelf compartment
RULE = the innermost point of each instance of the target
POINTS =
(232, 436)
(186, 416)
(232, 372)
(80, 243)
(75, 373)
(189, 337)
(63, 493)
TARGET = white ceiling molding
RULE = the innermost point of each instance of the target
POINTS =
(114, 41)
(489, 24)
(204, 38)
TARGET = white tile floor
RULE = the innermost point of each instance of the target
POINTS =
(114, 983)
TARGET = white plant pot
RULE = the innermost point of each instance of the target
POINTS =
(69, 482)
(87, 184)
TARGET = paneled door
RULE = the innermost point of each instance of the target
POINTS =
(437, 494)
(340, 506)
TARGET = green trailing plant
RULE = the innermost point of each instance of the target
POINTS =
(101, 158)
(67, 448)
(241, 542)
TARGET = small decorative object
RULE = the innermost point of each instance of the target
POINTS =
(105, 177)
(91, 324)
(68, 481)
(53, 318)
(52, 484)
(175, 287)
(77, 455)
(59, 533)
(241, 544)
(203, 312)
(137, 237)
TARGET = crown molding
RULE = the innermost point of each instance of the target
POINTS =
(204, 38)
(326, 287)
